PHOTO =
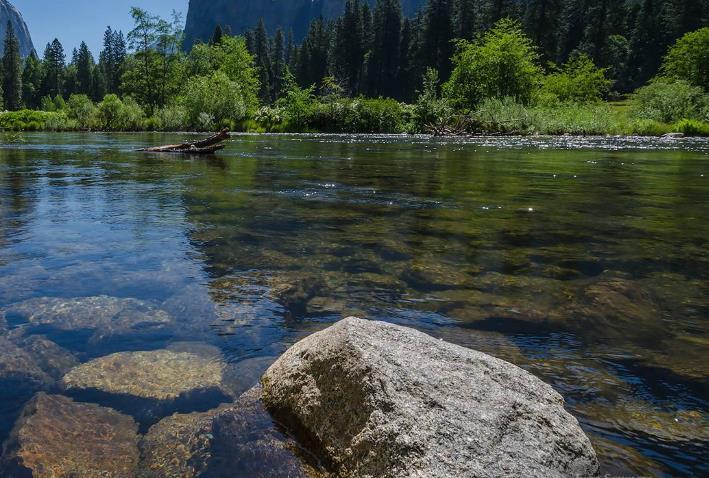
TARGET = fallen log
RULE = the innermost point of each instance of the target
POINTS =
(205, 146)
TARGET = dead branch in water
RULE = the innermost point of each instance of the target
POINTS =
(205, 146)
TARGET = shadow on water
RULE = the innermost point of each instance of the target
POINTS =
(581, 260)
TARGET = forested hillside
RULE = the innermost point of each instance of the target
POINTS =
(381, 52)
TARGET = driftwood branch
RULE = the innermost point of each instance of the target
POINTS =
(205, 146)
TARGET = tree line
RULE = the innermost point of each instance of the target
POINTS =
(378, 52)
(372, 70)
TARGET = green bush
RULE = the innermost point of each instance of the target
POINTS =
(171, 118)
(29, 120)
(504, 115)
(668, 101)
(691, 127)
(577, 119)
(116, 115)
(648, 127)
(81, 109)
(210, 100)
(578, 81)
(688, 59)
(502, 63)
(431, 109)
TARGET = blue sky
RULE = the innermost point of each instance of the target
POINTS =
(75, 20)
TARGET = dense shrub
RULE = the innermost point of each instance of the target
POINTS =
(688, 59)
(81, 109)
(296, 104)
(431, 109)
(28, 120)
(668, 101)
(579, 81)
(502, 63)
(171, 118)
(115, 114)
(691, 127)
(213, 100)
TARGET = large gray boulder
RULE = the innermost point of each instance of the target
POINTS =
(379, 400)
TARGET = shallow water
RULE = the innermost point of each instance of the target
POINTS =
(584, 261)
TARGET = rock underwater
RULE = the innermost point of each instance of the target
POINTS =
(378, 400)
(57, 437)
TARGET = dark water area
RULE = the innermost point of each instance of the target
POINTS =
(583, 261)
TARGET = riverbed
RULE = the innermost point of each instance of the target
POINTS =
(582, 260)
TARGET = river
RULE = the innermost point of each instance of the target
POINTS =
(582, 260)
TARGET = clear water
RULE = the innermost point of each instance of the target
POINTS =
(584, 261)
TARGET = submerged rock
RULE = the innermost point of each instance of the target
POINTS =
(296, 291)
(26, 367)
(235, 440)
(57, 437)
(98, 319)
(150, 385)
(617, 309)
(381, 400)
(50, 357)
(643, 418)
(19, 370)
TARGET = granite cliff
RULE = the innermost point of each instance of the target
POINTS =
(8, 12)
(241, 15)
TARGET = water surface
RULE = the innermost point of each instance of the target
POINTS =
(584, 261)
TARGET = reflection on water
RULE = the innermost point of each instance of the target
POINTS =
(583, 261)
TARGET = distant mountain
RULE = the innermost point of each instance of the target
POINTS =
(241, 15)
(9, 12)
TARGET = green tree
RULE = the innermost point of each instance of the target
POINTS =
(579, 81)
(53, 69)
(278, 64)
(262, 56)
(84, 70)
(217, 35)
(12, 71)
(143, 71)
(32, 82)
(688, 59)
(502, 63)
(437, 35)
(112, 59)
(386, 50)
(465, 19)
(542, 21)
(215, 100)
(349, 47)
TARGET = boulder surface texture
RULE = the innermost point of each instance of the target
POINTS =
(379, 400)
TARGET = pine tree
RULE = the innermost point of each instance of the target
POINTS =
(386, 50)
(12, 71)
(217, 35)
(84, 70)
(541, 20)
(112, 59)
(53, 68)
(98, 84)
(313, 55)
(262, 56)
(278, 63)
(648, 42)
(349, 47)
(465, 19)
(405, 78)
(31, 82)
(437, 48)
